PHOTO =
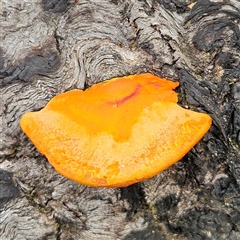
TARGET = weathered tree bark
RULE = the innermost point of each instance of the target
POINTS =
(51, 46)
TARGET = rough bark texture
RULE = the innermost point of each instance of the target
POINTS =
(51, 46)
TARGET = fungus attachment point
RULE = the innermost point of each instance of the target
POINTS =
(117, 132)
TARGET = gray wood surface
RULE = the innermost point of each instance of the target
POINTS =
(50, 46)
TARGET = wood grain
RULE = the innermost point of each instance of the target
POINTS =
(48, 47)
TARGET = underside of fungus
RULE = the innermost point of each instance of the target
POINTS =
(117, 132)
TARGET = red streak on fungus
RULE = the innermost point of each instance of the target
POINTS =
(124, 99)
(117, 132)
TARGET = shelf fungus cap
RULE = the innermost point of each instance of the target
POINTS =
(117, 132)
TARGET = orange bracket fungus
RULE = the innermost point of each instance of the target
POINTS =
(117, 132)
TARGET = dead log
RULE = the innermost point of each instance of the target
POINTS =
(48, 47)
